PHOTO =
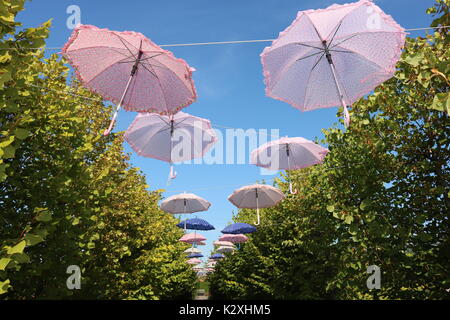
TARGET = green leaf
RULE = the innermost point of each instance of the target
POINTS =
(330, 208)
(4, 286)
(414, 59)
(21, 258)
(21, 133)
(44, 216)
(441, 102)
(18, 248)
(4, 263)
(364, 204)
(33, 239)
(348, 219)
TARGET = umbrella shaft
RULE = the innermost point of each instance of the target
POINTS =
(338, 87)
(124, 93)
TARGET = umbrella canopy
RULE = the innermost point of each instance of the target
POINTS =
(194, 261)
(196, 224)
(288, 154)
(192, 250)
(238, 228)
(256, 196)
(174, 138)
(234, 238)
(184, 203)
(192, 238)
(223, 243)
(224, 249)
(217, 256)
(130, 70)
(332, 57)
(201, 243)
(194, 255)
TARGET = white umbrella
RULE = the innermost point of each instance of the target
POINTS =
(223, 243)
(225, 249)
(288, 154)
(184, 203)
(192, 250)
(256, 196)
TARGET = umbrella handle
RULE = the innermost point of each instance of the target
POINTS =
(291, 189)
(172, 174)
(111, 125)
(257, 214)
(346, 117)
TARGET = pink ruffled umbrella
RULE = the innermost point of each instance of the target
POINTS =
(234, 238)
(192, 238)
(223, 243)
(288, 154)
(194, 261)
(256, 196)
(130, 70)
(332, 57)
(174, 138)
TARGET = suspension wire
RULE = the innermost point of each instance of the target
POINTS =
(266, 180)
(213, 42)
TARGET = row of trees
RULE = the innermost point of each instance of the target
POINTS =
(68, 195)
(380, 198)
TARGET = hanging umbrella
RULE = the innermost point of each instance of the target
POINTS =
(153, 136)
(223, 243)
(217, 256)
(196, 224)
(234, 238)
(224, 249)
(130, 70)
(184, 203)
(238, 228)
(194, 261)
(255, 197)
(192, 238)
(201, 243)
(332, 57)
(194, 255)
(288, 154)
(192, 250)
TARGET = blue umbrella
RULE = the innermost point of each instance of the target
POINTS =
(217, 256)
(195, 224)
(194, 255)
(238, 228)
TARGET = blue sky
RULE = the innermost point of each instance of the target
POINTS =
(228, 79)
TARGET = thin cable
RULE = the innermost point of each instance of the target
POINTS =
(266, 180)
(65, 92)
(213, 42)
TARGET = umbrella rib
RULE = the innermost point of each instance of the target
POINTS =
(286, 67)
(337, 29)
(352, 36)
(317, 31)
(309, 46)
(309, 77)
(342, 51)
(364, 58)
(122, 40)
(311, 55)
(152, 72)
(317, 62)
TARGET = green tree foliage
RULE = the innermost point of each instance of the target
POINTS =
(380, 198)
(68, 195)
